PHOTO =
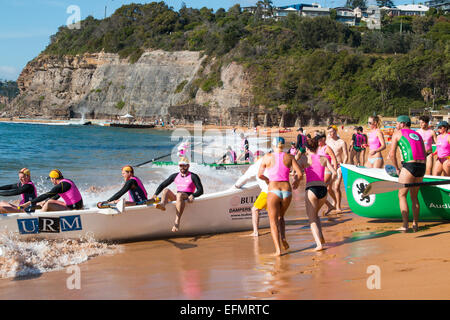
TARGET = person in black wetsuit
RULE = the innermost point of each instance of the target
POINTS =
(64, 188)
(188, 185)
(25, 188)
(133, 185)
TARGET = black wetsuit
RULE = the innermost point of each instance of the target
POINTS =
(61, 187)
(131, 185)
(17, 189)
(195, 179)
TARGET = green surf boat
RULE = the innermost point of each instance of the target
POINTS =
(220, 166)
(434, 200)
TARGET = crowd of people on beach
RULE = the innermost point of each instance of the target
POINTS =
(316, 155)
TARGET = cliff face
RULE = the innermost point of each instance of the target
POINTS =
(101, 85)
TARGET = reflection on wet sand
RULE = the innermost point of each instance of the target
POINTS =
(232, 266)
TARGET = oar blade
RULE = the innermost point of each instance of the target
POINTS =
(381, 187)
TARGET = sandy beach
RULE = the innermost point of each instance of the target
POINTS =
(364, 259)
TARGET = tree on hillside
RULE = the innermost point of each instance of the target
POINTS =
(385, 3)
(356, 4)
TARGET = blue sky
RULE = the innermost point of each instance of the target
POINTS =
(26, 25)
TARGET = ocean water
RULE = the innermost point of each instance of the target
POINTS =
(92, 156)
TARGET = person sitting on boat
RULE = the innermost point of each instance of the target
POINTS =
(315, 165)
(279, 196)
(413, 155)
(376, 144)
(25, 188)
(246, 156)
(63, 188)
(429, 138)
(443, 150)
(188, 186)
(133, 185)
(244, 147)
(229, 157)
(261, 200)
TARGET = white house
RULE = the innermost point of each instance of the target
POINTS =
(412, 9)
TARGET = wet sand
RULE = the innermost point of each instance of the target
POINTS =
(233, 266)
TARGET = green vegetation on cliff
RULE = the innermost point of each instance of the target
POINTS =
(9, 89)
(307, 64)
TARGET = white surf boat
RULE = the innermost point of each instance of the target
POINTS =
(226, 211)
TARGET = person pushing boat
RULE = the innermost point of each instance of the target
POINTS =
(261, 201)
(188, 186)
(133, 185)
(25, 188)
(279, 196)
(64, 188)
(412, 150)
(314, 165)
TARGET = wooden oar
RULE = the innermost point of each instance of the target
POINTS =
(388, 186)
(120, 206)
(29, 209)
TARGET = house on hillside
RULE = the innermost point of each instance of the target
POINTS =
(371, 16)
(412, 9)
(280, 13)
(345, 15)
(443, 5)
(315, 12)
(392, 12)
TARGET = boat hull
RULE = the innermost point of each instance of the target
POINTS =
(227, 211)
(434, 201)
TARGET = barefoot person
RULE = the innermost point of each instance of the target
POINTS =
(412, 150)
(339, 148)
(279, 196)
(325, 151)
(376, 144)
(133, 185)
(316, 188)
(25, 188)
(188, 185)
(429, 138)
(442, 164)
(261, 201)
(64, 188)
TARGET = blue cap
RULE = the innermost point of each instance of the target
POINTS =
(277, 141)
(442, 124)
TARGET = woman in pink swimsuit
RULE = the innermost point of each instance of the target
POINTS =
(277, 166)
(442, 165)
(429, 137)
(376, 144)
(315, 188)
